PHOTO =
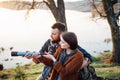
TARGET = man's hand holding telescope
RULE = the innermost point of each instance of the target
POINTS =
(35, 56)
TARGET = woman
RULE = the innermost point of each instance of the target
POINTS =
(67, 60)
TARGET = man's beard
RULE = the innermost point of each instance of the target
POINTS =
(56, 41)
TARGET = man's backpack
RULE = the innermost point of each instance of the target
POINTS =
(88, 73)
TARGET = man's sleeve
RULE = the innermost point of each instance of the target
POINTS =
(85, 53)
(44, 47)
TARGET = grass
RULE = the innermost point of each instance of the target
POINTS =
(107, 70)
(104, 69)
(32, 70)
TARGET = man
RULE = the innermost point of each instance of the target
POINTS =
(51, 45)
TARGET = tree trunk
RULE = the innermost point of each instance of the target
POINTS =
(115, 30)
(58, 10)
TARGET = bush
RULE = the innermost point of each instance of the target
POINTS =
(102, 57)
(19, 73)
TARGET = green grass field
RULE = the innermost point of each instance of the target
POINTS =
(32, 71)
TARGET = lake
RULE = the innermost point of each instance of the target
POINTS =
(29, 32)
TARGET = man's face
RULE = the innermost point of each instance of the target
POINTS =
(55, 35)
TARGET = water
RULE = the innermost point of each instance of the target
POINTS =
(28, 33)
(12, 62)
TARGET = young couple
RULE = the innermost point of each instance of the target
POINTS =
(62, 56)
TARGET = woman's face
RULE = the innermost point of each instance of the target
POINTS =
(64, 44)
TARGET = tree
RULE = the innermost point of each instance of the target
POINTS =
(112, 13)
(113, 20)
(57, 8)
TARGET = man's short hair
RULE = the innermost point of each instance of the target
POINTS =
(60, 26)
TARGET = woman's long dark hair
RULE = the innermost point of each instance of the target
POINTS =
(71, 39)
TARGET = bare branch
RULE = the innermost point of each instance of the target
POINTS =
(46, 2)
(93, 4)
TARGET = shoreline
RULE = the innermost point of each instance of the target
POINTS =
(79, 5)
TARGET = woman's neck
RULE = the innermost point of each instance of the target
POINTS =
(68, 51)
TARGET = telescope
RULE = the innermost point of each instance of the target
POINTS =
(17, 53)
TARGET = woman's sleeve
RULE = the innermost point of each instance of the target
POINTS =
(48, 61)
(72, 66)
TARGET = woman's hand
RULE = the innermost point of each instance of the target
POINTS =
(86, 62)
(47, 55)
